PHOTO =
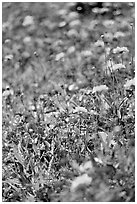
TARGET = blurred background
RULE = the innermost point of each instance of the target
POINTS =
(61, 42)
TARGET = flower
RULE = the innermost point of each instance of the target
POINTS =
(28, 20)
(81, 180)
(8, 57)
(99, 43)
(80, 109)
(75, 23)
(72, 33)
(108, 23)
(120, 50)
(119, 34)
(86, 53)
(130, 83)
(8, 92)
(86, 167)
(71, 50)
(100, 88)
(118, 66)
(60, 56)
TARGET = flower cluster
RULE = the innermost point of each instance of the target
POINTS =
(99, 88)
(120, 50)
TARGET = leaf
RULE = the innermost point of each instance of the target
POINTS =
(14, 181)
(18, 155)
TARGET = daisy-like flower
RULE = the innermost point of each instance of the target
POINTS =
(8, 57)
(28, 20)
(60, 56)
(119, 34)
(99, 43)
(80, 180)
(120, 50)
(99, 88)
(8, 92)
(86, 53)
(118, 67)
(130, 83)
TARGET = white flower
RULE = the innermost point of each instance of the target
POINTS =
(71, 50)
(60, 56)
(62, 24)
(86, 53)
(100, 88)
(119, 34)
(130, 83)
(85, 167)
(72, 16)
(7, 92)
(28, 20)
(99, 43)
(75, 23)
(118, 66)
(72, 33)
(8, 57)
(27, 39)
(73, 87)
(109, 23)
(120, 50)
(80, 109)
(83, 179)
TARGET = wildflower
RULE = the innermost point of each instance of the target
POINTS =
(100, 10)
(100, 88)
(99, 43)
(80, 109)
(62, 12)
(81, 180)
(107, 37)
(8, 57)
(7, 92)
(86, 53)
(75, 23)
(85, 167)
(108, 23)
(59, 56)
(72, 33)
(7, 41)
(27, 40)
(130, 83)
(120, 50)
(119, 34)
(62, 24)
(28, 20)
(36, 54)
(72, 16)
(73, 87)
(118, 66)
(71, 50)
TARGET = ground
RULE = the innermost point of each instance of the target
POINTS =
(68, 90)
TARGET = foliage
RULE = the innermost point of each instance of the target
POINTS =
(68, 102)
